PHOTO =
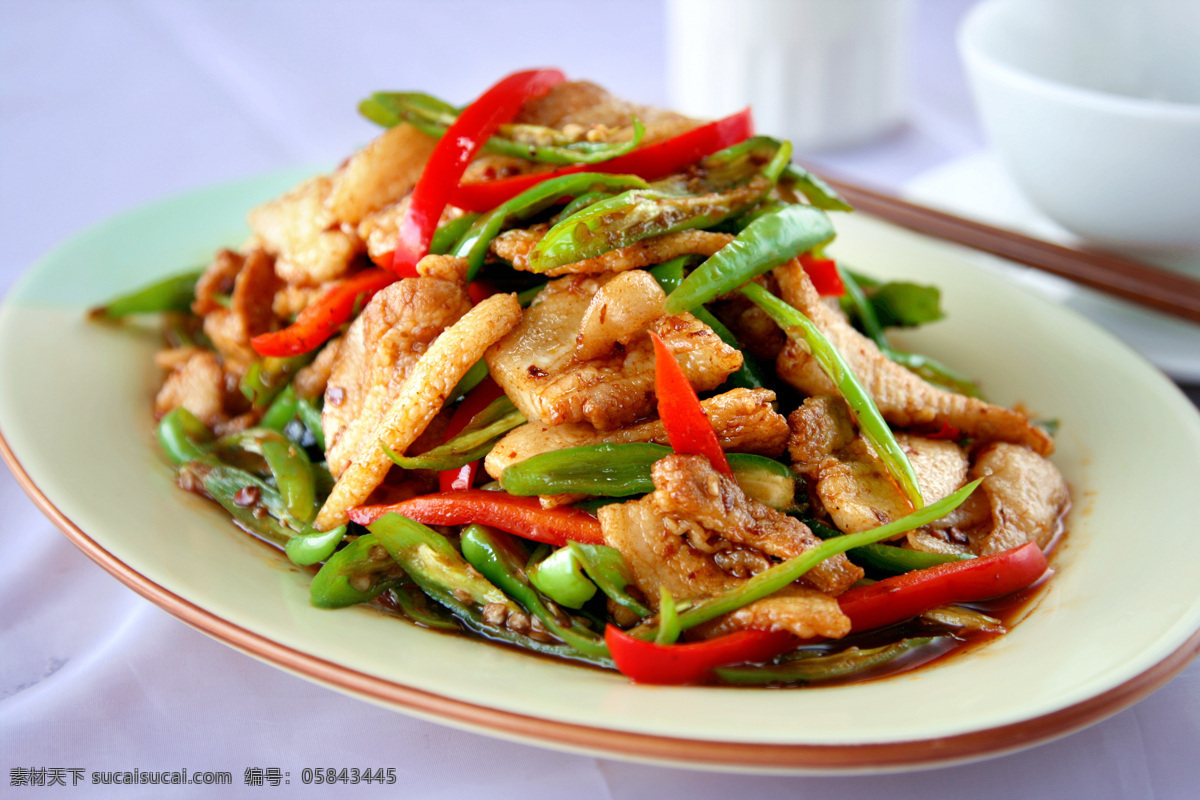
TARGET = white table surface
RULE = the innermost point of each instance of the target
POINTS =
(108, 105)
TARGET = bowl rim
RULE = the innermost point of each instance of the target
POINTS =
(978, 60)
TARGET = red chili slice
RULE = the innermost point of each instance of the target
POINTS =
(320, 320)
(651, 162)
(479, 398)
(646, 662)
(521, 516)
(454, 151)
(823, 272)
(688, 428)
(903, 596)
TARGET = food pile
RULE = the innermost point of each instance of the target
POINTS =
(576, 375)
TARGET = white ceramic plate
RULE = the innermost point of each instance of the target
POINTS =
(1121, 617)
(978, 187)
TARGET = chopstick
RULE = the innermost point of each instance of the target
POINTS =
(1160, 289)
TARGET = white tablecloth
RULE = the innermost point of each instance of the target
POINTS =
(108, 105)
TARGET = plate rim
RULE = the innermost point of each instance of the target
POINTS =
(665, 749)
(711, 754)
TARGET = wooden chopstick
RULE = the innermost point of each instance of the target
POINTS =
(1160, 289)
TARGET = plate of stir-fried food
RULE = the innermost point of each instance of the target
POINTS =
(595, 425)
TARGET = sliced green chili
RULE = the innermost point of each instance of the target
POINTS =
(775, 578)
(862, 407)
(606, 567)
(357, 573)
(472, 443)
(474, 244)
(767, 242)
(560, 577)
(822, 668)
(886, 557)
(182, 436)
(175, 293)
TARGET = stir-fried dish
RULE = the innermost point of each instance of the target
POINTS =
(576, 375)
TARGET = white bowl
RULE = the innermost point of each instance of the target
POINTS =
(1094, 107)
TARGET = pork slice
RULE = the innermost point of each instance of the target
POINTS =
(537, 367)
(249, 313)
(904, 399)
(379, 174)
(582, 104)
(744, 420)
(659, 557)
(688, 487)
(846, 475)
(1027, 496)
(195, 382)
(309, 244)
(377, 353)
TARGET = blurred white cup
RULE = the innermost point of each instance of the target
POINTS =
(823, 73)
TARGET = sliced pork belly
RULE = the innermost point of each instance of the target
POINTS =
(537, 364)
(660, 552)
(1027, 496)
(904, 399)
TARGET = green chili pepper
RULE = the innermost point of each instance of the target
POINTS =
(815, 190)
(448, 579)
(862, 407)
(560, 577)
(474, 244)
(886, 557)
(289, 466)
(623, 469)
(472, 443)
(668, 619)
(313, 547)
(175, 293)
(446, 237)
(417, 606)
(606, 567)
(267, 377)
(533, 142)
(281, 411)
(245, 496)
(357, 573)
(182, 437)
(311, 417)
(767, 242)
(502, 560)
(775, 578)
(822, 668)
(474, 377)
(963, 618)
(669, 274)
(579, 203)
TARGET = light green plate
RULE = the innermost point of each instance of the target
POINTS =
(1119, 619)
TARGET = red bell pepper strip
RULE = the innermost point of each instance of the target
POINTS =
(520, 516)
(320, 320)
(646, 662)
(903, 596)
(454, 151)
(479, 398)
(688, 429)
(653, 161)
(823, 272)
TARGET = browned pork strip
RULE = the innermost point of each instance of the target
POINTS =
(537, 364)
(377, 353)
(659, 555)
(904, 399)
(687, 487)
(1027, 496)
